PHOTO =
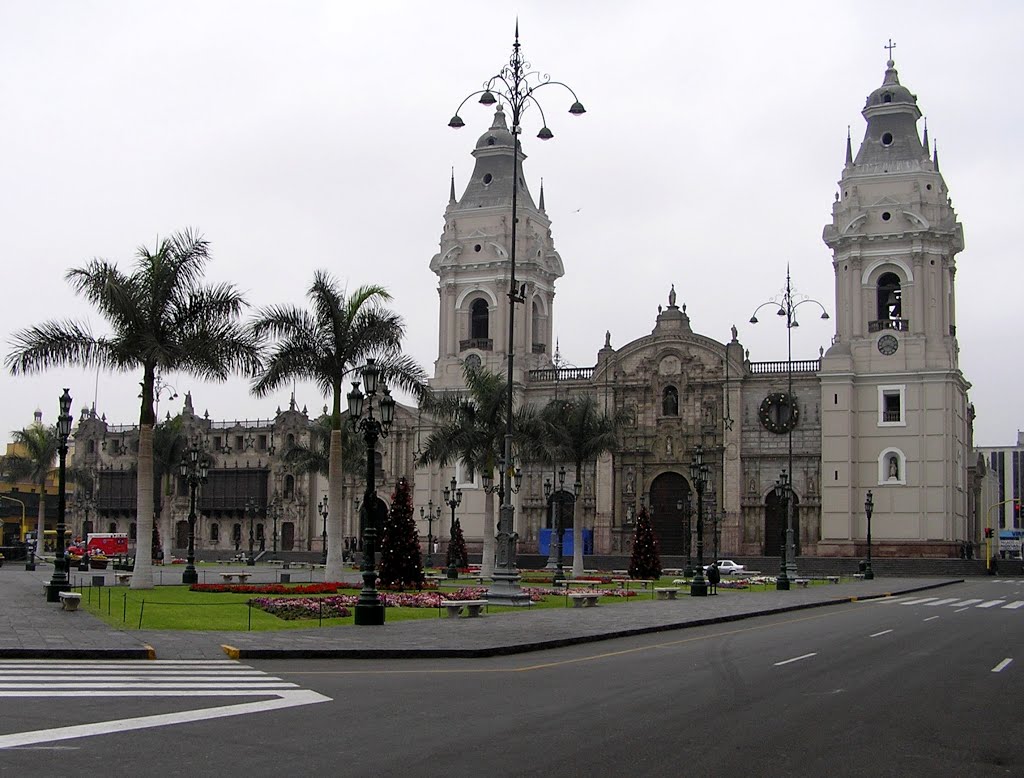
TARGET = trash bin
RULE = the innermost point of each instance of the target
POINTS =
(98, 580)
(286, 577)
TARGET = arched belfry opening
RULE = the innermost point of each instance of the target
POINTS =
(889, 299)
(479, 320)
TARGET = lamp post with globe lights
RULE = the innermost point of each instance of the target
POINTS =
(788, 418)
(869, 508)
(59, 581)
(369, 610)
(453, 499)
(782, 493)
(699, 476)
(194, 469)
(430, 517)
(322, 509)
(516, 85)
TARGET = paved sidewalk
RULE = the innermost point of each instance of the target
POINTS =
(30, 627)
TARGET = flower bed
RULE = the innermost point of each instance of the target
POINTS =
(317, 588)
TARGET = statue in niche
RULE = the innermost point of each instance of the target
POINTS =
(894, 468)
(668, 446)
(672, 296)
(753, 487)
(630, 480)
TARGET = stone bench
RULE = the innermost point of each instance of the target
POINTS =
(123, 578)
(832, 578)
(229, 577)
(582, 584)
(69, 601)
(802, 582)
(584, 599)
(666, 592)
(454, 607)
(672, 571)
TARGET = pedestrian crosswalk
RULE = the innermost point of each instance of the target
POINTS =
(953, 602)
(169, 678)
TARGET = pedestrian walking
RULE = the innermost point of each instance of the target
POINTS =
(714, 576)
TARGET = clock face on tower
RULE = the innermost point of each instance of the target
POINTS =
(887, 344)
(473, 361)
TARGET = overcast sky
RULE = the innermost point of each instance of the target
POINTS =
(307, 135)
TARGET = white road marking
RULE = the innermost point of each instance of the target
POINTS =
(991, 603)
(174, 678)
(961, 610)
(1014, 605)
(795, 659)
(931, 618)
(878, 634)
(920, 601)
(889, 600)
(999, 667)
(947, 601)
(967, 603)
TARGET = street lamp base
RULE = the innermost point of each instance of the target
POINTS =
(698, 588)
(189, 576)
(53, 591)
(781, 584)
(452, 572)
(369, 615)
(869, 575)
(251, 561)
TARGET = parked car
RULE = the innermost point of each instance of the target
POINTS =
(728, 567)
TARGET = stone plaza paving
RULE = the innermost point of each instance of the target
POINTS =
(30, 627)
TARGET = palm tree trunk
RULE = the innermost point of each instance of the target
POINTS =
(142, 577)
(41, 520)
(166, 534)
(577, 530)
(335, 543)
(487, 563)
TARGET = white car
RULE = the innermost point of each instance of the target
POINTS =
(728, 567)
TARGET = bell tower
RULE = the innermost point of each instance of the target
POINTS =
(473, 268)
(894, 402)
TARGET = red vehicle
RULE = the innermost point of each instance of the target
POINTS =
(110, 544)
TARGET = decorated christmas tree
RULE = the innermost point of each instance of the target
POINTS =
(400, 563)
(457, 548)
(645, 561)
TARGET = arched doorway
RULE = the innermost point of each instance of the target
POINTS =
(667, 490)
(775, 524)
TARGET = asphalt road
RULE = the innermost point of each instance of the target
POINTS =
(924, 685)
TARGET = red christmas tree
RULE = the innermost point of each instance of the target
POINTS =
(400, 563)
(645, 561)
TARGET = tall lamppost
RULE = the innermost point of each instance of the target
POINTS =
(430, 517)
(369, 610)
(453, 499)
(59, 582)
(516, 85)
(323, 510)
(556, 523)
(869, 508)
(699, 477)
(275, 512)
(250, 508)
(194, 469)
(782, 493)
(788, 414)
(686, 510)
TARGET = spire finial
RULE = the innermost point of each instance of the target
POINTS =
(935, 156)
(890, 47)
(925, 144)
(849, 148)
(451, 194)
(541, 205)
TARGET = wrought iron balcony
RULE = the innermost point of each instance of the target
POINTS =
(900, 325)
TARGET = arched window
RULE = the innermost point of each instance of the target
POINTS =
(378, 465)
(290, 441)
(890, 298)
(112, 527)
(215, 533)
(92, 446)
(670, 401)
(479, 316)
(539, 340)
(289, 486)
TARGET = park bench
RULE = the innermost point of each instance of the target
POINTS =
(672, 571)
(832, 578)
(229, 577)
(802, 582)
(584, 599)
(69, 601)
(123, 578)
(666, 592)
(454, 607)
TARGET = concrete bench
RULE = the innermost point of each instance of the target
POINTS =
(229, 577)
(454, 607)
(123, 578)
(802, 582)
(582, 584)
(832, 578)
(584, 599)
(666, 592)
(672, 571)
(69, 601)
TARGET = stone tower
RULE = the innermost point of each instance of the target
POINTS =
(894, 402)
(473, 268)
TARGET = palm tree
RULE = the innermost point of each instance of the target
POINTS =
(472, 431)
(576, 431)
(325, 344)
(162, 319)
(36, 449)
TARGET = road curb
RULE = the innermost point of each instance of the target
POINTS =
(143, 652)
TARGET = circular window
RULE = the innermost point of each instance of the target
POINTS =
(886, 216)
(886, 138)
(476, 247)
(778, 412)
(929, 187)
(488, 178)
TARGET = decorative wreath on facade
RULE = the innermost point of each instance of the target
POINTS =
(779, 412)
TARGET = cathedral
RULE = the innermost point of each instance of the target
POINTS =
(883, 410)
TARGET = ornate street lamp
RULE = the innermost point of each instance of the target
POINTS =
(869, 508)
(275, 512)
(515, 84)
(787, 307)
(369, 610)
(194, 469)
(782, 493)
(430, 517)
(699, 477)
(555, 556)
(322, 510)
(59, 582)
(453, 499)
(250, 508)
